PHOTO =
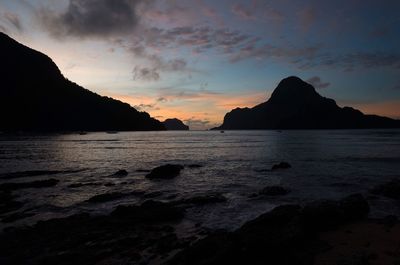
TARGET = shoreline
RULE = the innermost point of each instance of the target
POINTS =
(146, 234)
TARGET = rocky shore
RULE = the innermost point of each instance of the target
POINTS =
(321, 232)
(146, 234)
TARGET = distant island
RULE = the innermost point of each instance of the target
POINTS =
(295, 104)
(175, 125)
(36, 97)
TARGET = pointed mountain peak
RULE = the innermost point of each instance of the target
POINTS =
(293, 89)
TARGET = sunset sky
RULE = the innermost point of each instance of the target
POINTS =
(196, 60)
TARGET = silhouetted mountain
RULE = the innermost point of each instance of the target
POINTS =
(295, 104)
(175, 125)
(35, 96)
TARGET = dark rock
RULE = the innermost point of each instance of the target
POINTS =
(285, 236)
(261, 170)
(390, 221)
(281, 165)
(194, 166)
(253, 195)
(16, 216)
(274, 191)
(354, 207)
(78, 185)
(139, 234)
(85, 239)
(390, 189)
(107, 197)
(204, 199)
(151, 195)
(167, 243)
(25, 185)
(326, 213)
(175, 125)
(295, 104)
(8, 203)
(143, 170)
(121, 173)
(165, 172)
(150, 211)
(272, 238)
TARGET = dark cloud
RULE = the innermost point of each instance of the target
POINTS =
(197, 124)
(256, 10)
(145, 73)
(372, 59)
(349, 62)
(93, 18)
(316, 82)
(307, 18)
(243, 12)
(197, 121)
(198, 39)
(162, 99)
(141, 107)
(352, 61)
(13, 19)
(182, 93)
(158, 65)
(174, 65)
(267, 51)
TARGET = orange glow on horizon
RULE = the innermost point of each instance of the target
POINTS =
(389, 109)
(206, 107)
(213, 107)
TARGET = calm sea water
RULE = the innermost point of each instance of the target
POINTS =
(325, 164)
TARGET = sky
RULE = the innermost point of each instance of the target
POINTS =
(197, 59)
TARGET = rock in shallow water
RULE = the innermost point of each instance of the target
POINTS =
(8, 202)
(105, 197)
(390, 189)
(327, 213)
(85, 239)
(121, 173)
(194, 166)
(203, 199)
(16, 216)
(167, 171)
(281, 165)
(285, 236)
(150, 211)
(274, 191)
(79, 185)
(9, 186)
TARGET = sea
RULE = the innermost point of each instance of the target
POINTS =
(325, 164)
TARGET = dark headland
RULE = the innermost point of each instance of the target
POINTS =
(175, 125)
(295, 104)
(36, 97)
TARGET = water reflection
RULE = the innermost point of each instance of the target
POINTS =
(325, 164)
